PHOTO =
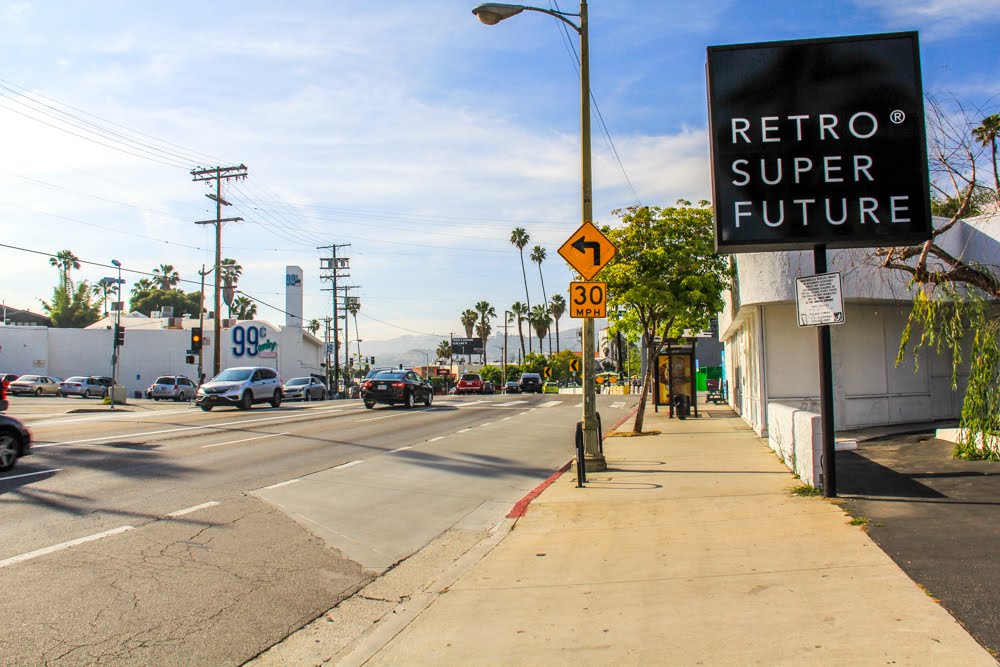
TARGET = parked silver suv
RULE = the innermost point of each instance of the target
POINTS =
(241, 387)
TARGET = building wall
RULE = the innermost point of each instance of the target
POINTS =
(151, 352)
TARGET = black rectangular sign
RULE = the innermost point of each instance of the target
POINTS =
(466, 346)
(818, 142)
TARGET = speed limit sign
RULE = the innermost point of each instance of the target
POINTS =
(588, 299)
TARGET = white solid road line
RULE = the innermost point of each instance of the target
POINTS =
(189, 510)
(348, 464)
(174, 430)
(396, 414)
(59, 547)
(403, 449)
(286, 483)
(440, 437)
(233, 442)
(30, 474)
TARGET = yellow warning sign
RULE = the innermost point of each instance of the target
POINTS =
(588, 250)
(588, 299)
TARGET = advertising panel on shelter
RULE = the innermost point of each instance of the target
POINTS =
(818, 142)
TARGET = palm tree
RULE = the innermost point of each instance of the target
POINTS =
(142, 285)
(166, 277)
(443, 350)
(102, 289)
(353, 306)
(557, 306)
(521, 313)
(484, 328)
(229, 271)
(519, 238)
(987, 134)
(540, 321)
(65, 261)
(538, 256)
(313, 326)
(243, 308)
(469, 319)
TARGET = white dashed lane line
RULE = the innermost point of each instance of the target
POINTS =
(347, 465)
(59, 547)
(285, 483)
(233, 442)
(31, 474)
(191, 510)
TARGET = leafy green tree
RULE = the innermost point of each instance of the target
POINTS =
(557, 306)
(519, 238)
(986, 134)
(245, 309)
(484, 328)
(538, 256)
(520, 311)
(667, 274)
(534, 362)
(469, 319)
(540, 320)
(491, 373)
(73, 309)
(559, 362)
(166, 277)
(513, 372)
(155, 299)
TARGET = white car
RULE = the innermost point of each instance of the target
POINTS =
(241, 387)
(171, 387)
(304, 389)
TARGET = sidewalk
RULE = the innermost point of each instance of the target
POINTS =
(689, 550)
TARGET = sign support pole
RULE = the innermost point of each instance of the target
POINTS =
(829, 461)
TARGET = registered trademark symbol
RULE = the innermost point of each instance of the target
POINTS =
(897, 116)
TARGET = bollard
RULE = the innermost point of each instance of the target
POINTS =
(600, 434)
(581, 467)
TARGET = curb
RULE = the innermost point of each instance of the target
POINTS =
(521, 508)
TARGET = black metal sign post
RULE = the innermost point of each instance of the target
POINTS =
(829, 461)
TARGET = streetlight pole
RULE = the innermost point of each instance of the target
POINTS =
(118, 322)
(492, 13)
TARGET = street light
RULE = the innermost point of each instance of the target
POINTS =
(492, 13)
(114, 336)
(427, 362)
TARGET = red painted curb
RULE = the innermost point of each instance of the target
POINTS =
(625, 418)
(521, 508)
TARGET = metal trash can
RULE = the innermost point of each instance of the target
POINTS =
(682, 406)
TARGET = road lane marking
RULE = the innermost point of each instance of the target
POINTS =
(348, 464)
(175, 430)
(616, 406)
(505, 419)
(403, 449)
(29, 474)
(527, 412)
(465, 430)
(549, 404)
(233, 442)
(440, 437)
(59, 547)
(514, 402)
(486, 424)
(190, 510)
(397, 414)
(286, 483)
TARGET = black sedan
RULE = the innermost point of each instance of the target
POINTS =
(15, 442)
(396, 387)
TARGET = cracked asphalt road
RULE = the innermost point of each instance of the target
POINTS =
(180, 591)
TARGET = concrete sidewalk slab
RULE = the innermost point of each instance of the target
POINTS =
(690, 549)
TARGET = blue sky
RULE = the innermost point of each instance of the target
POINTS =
(409, 130)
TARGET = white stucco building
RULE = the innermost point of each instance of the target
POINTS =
(771, 360)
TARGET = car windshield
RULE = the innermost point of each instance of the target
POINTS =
(166, 379)
(233, 375)
(30, 378)
(297, 381)
(76, 378)
(469, 377)
(390, 375)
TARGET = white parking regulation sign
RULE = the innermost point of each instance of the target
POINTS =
(819, 300)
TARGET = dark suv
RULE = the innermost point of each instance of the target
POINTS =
(530, 382)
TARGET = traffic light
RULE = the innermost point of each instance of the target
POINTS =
(373, 361)
(189, 359)
(196, 340)
(119, 335)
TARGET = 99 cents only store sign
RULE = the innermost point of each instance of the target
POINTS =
(818, 142)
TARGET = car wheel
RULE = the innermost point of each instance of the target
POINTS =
(246, 401)
(408, 401)
(276, 399)
(429, 398)
(86, 393)
(9, 447)
(369, 404)
(206, 408)
(38, 392)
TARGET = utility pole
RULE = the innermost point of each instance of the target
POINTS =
(326, 348)
(218, 174)
(348, 301)
(337, 267)
(201, 325)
